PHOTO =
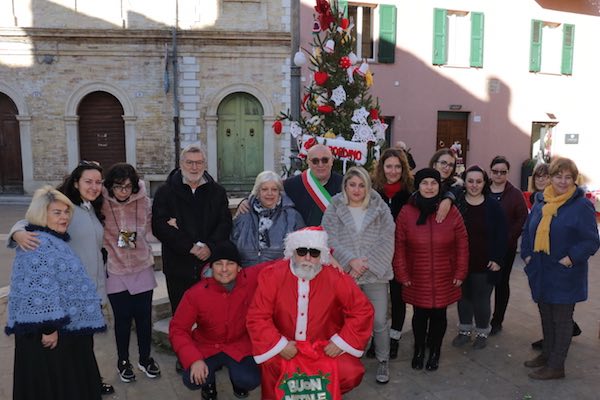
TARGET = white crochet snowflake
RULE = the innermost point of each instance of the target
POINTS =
(295, 129)
(360, 116)
(338, 95)
(362, 133)
(379, 129)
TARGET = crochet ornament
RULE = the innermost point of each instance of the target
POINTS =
(336, 104)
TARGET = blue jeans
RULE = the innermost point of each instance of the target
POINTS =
(244, 375)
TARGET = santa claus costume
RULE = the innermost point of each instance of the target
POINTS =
(328, 307)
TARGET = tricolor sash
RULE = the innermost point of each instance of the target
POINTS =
(316, 190)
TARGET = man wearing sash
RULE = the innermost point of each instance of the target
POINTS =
(312, 190)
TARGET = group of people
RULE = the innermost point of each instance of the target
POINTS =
(306, 270)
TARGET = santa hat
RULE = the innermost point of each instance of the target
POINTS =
(311, 237)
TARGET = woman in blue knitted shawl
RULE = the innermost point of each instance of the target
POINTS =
(53, 310)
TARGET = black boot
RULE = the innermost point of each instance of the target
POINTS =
(394, 344)
(418, 357)
(576, 329)
(209, 392)
(434, 359)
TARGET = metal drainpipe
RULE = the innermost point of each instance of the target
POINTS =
(176, 138)
(295, 70)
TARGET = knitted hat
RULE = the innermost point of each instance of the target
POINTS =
(427, 173)
(311, 237)
(225, 251)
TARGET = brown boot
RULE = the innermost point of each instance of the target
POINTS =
(547, 373)
(539, 361)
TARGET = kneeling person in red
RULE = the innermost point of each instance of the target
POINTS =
(302, 298)
(218, 306)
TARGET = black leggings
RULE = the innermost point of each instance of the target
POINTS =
(429, 326)
(127, 307)
(398, 305)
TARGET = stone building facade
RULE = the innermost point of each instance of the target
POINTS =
(83, 79)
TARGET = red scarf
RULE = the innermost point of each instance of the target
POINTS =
(390, 189)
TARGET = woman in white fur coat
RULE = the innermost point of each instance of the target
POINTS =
(361, 234)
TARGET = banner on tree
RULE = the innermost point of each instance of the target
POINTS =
(342, 149)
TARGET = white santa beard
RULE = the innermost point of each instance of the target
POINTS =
(305, 269)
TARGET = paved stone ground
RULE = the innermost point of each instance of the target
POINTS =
(495, 372)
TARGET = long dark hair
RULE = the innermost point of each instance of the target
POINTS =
(118, 174)
(67, 187)
(406, 178)
(486, 179)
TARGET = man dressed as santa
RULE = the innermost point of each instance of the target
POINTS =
(302, 298)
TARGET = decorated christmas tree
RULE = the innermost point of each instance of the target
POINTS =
(336, 108)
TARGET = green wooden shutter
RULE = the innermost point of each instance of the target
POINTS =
(566, 66)
(387, 34)
(535, 50)
(476, 40)
(343, 6)
(440, 54)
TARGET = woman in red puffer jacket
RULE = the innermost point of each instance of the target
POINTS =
(431, 261)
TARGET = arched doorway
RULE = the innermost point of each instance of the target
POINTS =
(239, 141)
(11, 172)
(101, 129)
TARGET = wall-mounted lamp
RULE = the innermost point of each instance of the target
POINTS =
(455, 107)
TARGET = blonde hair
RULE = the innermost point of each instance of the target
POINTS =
(362, 174)
(37, 213)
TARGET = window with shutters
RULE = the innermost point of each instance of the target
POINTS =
(374, 30)
(363, 17)
(551, 47)
(458, 38)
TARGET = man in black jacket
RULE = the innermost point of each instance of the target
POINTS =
(190, 216)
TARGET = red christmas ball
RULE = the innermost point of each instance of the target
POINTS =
(344, 23)
(374, 114)
(277, 127)
(345, 62)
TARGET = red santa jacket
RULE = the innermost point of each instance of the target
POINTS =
(329, 307)
(430, 256)
(220, 319)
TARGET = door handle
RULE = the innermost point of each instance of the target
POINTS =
(227, 132)
(251, 131)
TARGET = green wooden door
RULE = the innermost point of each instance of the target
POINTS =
(240, 141)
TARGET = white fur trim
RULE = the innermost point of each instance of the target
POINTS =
(261, 358)
(309, 239)
(302, 313)
(342, 344)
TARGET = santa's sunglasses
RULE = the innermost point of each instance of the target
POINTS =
(302, 251)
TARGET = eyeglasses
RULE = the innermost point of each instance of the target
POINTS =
(446, 164)
(543, 176)
(190, 163)
(123, 188)
(499, 172)
(322, 160)
(302, 251)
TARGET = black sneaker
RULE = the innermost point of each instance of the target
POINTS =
(495, 329)
(125, 371)
(150, 368)
(106, 388)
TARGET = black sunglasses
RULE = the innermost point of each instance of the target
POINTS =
(302, 251)
(323, 160)
(84, 163)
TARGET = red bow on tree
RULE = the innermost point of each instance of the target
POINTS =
(325, 15)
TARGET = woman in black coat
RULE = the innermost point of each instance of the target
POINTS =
(487, 229)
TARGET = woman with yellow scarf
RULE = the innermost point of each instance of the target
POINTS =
(559, 237)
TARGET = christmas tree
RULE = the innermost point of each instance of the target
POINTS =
(336, 108)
